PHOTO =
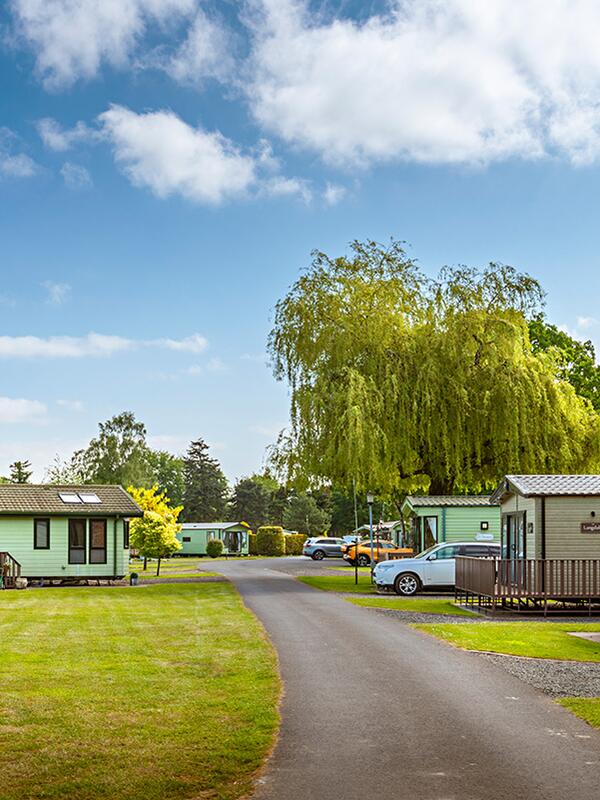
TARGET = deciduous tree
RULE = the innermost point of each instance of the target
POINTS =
(407, 384)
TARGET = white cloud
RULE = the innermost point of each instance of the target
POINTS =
(56, 137)
(70, 405)
(57, 293)
(207, 52)
(216, 365)
(191, 344)
(13, 411)
(333, 193)
(94, 344)
(14, 165)
(280, 186)
(76, 176)
(432, 82)
(585, 323)
(159, 151)
(72, 39)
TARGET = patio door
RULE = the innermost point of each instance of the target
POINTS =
(514, 541)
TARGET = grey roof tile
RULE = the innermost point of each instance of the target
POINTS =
(29, 498)
(548, 485)
(455, 500)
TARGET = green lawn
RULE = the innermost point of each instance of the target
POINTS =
(173, 568)
(167, 691)
(339, 583)
(534, 639)
(588, 708)
(421, 605)
(348, 567)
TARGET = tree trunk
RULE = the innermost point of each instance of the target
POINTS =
(145, 563)
(158, 568)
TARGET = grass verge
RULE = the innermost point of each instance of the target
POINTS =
(339, 583)
(167, 691)
(532, 639)
(588, 708)
(420, 605)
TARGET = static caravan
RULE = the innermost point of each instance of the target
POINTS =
(65, 532)
(451, 518)
(195, 535)
(550, 516)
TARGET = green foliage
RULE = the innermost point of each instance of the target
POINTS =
(406, 384)
(155, 534)
(294, 543)
(575, 361)
(166, 472)
(20, 472)
(302, 514)
(252, 548)
(214, 548)
(205, 494)
(251, 501)
(270, 541)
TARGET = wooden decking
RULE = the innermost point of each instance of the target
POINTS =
(10, 570)
(550, 584)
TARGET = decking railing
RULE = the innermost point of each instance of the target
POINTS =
(499, 581)
(10, 570)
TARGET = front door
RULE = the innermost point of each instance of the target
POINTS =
(514, 545)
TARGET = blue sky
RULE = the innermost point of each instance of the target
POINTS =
(166, 167)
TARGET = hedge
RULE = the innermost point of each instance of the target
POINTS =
(214, 548)
(252, 544)
(294, 543)
(270, 541)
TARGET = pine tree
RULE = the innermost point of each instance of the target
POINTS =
(205, 493)
(20, 472)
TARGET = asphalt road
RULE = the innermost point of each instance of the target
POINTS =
(373, 709)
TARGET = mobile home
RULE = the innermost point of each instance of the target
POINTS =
(194, 537)
(451, 518)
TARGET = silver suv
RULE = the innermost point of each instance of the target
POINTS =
(322, 547)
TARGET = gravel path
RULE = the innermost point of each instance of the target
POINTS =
(556, 678)
(417, 617)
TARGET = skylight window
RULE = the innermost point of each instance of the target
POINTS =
(69, 497)
(89, 497)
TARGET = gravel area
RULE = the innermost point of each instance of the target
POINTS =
(556, 678)
(417, 617)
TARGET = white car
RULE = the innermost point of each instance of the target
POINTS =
(433, 567)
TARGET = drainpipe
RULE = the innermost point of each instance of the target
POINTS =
(443, 523)
(115, 547)
(543, 527)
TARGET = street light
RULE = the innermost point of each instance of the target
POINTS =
(370, 499)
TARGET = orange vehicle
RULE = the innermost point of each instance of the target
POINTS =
(382, 550)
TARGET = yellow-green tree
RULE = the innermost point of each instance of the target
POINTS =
(154, 534)
(408, 384)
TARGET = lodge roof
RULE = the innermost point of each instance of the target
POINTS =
(211, 526)
(549, 485)
(18, 499)
(452, 500)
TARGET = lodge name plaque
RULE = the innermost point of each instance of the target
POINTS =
(590, 527)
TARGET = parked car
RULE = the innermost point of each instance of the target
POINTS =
(322, 547)
(433, 567)
(381, 549)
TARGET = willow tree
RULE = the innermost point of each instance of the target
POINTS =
(406, 384)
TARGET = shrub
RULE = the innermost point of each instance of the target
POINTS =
(214, 548)
(294, 543)
(270, 541)
(252, 544)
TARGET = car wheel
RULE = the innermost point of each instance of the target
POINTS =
(407, 584)
(318, 555)
(363, 561)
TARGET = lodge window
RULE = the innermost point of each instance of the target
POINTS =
(126, 534)
(186, 538)
(97, 541)
(76, 541)
(41, 534)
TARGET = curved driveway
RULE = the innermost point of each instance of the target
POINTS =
(374, 709)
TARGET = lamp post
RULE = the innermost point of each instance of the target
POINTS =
(370, 499)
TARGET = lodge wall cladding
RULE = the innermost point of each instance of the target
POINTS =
(532, 508)
(564, 516)
(16, 538)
